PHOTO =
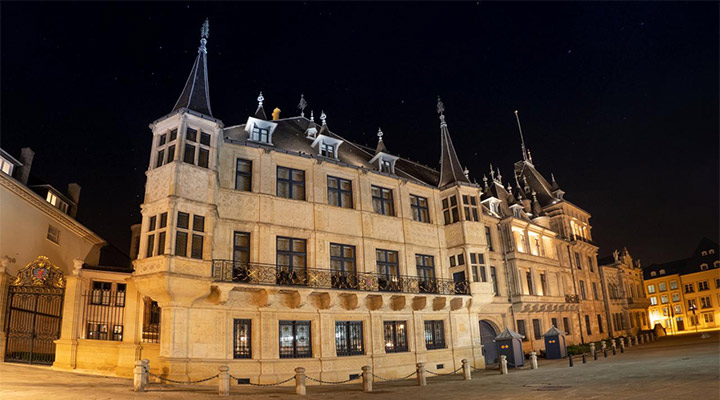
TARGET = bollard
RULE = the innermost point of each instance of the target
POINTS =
(635, 340)
(605, 353)
(584, 358)
(533, 360)
(146, 365)
(628, 341)
(139, 377)
(603, 345)
(612, 343)
(367, 378)
(422, 380)
(592, 348)
(622, 349)
(300, 381)
(614, 351)
(595, 356)
(503, 365)
(224, 381)
(570, 359)
(466, 369)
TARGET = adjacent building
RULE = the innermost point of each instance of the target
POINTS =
(685, 294)
(626, 305)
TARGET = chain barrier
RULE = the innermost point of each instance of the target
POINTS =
(394, 380)
(182, 382)
(266, 384)
(333, 383)
(440, 374)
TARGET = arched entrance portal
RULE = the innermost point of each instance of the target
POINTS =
(487, 338)
(34, 312)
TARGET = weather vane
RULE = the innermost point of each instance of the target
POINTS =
(440, 106)
(302, 105)
(205, 30)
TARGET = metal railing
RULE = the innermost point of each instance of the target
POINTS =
(271, 274)
(103, 314)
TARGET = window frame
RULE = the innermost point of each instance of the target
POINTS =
(419, 212)
(242, 351)
(339, 192)
(294, 187)
(393, 344)
(345, 347)
(295, 353)
(435, 334)
(246, 176)
(381, 204)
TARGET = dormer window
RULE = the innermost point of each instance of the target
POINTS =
(327, 146)
(259, 130)
(385, 166)
(53, 199)
(260, 134)
(652, 273)
(327, 150)
(704, 253)
(711, 251)
(385, 162)
(662, 272)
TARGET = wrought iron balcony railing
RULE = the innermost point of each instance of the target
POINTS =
(271, 274)
(572, 298)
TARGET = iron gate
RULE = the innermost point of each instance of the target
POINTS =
(34, 313)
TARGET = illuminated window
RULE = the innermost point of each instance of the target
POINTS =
(295, 339)
(382, 200)
(419, 208)
(662, 287)
(678, 309)
(676, 297)
(395, 333)
(664, 299)
(653, 300)
(349, 338)
(434, 335)
(673, 285)
(651, 289)
(241, 338)
(451, 214)
(708, 317)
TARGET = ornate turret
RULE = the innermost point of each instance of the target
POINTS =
(196, 94)
(451, 170)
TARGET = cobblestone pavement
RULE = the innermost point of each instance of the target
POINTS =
(685, 366)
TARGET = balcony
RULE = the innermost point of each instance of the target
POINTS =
(279, 275)
(572, 298)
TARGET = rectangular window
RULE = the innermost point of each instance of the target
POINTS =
(493, 275)
(327, 150)
(204, 139)
(708, 317)
(583, 295)
(588, 329)
(260, 134)
(120, 294)
(191, 135)
(600, 324)
(434, 335)
(189, 155)
(101, 293)
(291, 183)
(461, 259)
(426, 273)
(387, 269)
(689, 288)
(198, 223)
(536, 329)
(705, 302)
(470, 208)
(171, 154)
(664, 299)
(295, 339)
(703, 285)
(419, 208)
(197, 247)
(528, 277)
(483, 275)
(349, 338)
(566, 325)
(578, 264)
(543, 285)
(488, 237)
(653, 300)
(554, 322)
(590, 264)
(450, 210)
(651, 289)
(150, 245)
(241, 256)
(241, 338)
(342, 264)
(521, 329)
(678, 309)
(160, 158)
(673, 285)
(382, 200)
(203, 157)
(291, 255)
(161, 243)
(676, 297)
(243, 175)
(181, 241)
(395, 336)
(662, 287)
(183, 220)
(595, 291)
(339, 192)
(53, 234)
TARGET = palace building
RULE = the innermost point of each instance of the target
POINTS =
(626, 306)
(275, 242)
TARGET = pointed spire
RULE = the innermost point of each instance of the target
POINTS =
(492, 173)
(450, 169)
(302, 104)
(522, 139)
(555, 185)
(499, 177)
(196, 93)
(260, 112)
(381, 145)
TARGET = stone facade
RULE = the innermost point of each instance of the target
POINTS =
(626, 305)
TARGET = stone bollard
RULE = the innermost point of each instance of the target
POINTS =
(139, 377)
(367, 378)
(146, 365)
(503, 365)
(614, 351)
(629, 341)
(635, 340)
(570, 360)
(422, 380)
(592, 348)
(224, 381)
(466, 369)
(603, 345)
(612, 343)
(622, 349)
(300, 381)
(533, 360)
(584, 358)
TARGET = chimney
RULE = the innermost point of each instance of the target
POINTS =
(73, 192)
(26, 158)
(276, 114)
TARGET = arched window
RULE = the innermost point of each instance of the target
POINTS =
(662, 272)
(711, 251)
(703, 267)
(652, 273)
(703, 252)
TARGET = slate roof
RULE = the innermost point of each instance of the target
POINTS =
(508, 334)
(672, 267)
(554, 332)
(687, 265)
(196, 93)
(450, 169)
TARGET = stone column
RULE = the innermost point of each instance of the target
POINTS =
(4, 284)
(66, 346)
(130, 349)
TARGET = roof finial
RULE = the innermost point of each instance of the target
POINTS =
(380, 134)
(302, 104)
(522, 140)
(204, 34)
(466, 172)
(441, 110)
(530, 157)
(260, 99)
(312, 115)
(485, 181)
(492, 172)
(323, 117)
(500, 176)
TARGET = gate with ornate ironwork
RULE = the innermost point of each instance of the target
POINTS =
(34, 313)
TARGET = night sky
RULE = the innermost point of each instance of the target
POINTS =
(618, 100)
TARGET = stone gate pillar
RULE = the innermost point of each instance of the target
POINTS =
(66, 346)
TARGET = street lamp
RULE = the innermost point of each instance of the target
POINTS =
(692, 308)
